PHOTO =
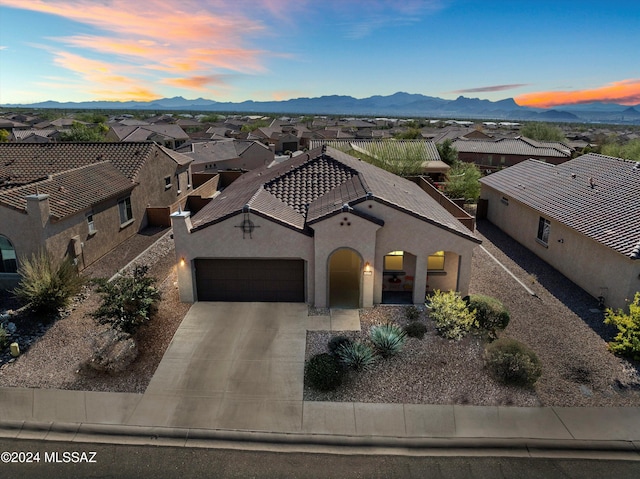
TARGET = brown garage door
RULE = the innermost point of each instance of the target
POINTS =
(250, 280)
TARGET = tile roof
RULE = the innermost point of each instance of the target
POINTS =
(143, 132)
(608, 212)
(325, 181)
(513, 146)
(72, 191)
(75, 175)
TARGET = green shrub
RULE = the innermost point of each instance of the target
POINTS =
(46, 285)
(128, 301)
(336, 342)
(491, 315)
(450, 314)
(416, 329)
(324, 372)
(411, 313)
(356, 355)
(388, 339)
(4, 338)
(627, 341)
(512, 362)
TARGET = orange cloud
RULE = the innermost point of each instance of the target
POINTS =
(100, 79)
(196, 82)
(625, 92)
(190, 37)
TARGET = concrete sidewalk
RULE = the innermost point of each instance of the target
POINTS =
(85, 416)
(234, 372)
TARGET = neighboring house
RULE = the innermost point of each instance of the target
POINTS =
(323, 228)
(496, 154)
(396, 150)
(169, 136)
(33, 135)
(582, 217)
(81, 199)
(227, 154)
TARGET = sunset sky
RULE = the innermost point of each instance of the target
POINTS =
(542, 53)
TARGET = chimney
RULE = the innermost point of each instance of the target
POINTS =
(38, 208)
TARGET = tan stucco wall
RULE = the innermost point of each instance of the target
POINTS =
(368, 239)
(597, 269)
(224, 240)
(356, 233)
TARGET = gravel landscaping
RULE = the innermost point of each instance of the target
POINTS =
(558, 324)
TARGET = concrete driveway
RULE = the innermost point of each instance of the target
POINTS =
(231, 365)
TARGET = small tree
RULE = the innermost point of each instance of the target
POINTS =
(82, 132)
(627, 341)
(628, 151)
(450, 314)
(448, 153)
(541, 131)
(463, 181)
(47, 285)
(129, 301)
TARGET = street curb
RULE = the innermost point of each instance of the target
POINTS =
(220, 438)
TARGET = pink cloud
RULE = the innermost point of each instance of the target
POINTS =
(190, 37)
(490, 88)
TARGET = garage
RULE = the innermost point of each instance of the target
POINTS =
(263, 280)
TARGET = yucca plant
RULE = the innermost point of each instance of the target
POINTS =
(46, 285)
(356, 355)
(388, 339)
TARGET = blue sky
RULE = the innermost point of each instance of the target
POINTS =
(541, 53)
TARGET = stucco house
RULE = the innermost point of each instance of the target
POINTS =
(225, 155)
(495, 154)
(323, 228)
(81, 199)
(582, 217)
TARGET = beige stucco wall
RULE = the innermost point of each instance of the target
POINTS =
(224, 240)
(597, 269)
(356, 233)
(367, 238)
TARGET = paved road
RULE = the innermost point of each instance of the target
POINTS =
(153, 462)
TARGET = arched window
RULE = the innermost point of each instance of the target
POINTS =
(8, 261)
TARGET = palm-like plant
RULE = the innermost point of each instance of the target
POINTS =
(388, 339)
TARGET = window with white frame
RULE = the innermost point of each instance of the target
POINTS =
(91, 225)
(126, 213)
(8, 259)
(543, 230)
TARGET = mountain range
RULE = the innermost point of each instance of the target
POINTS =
(398, 104)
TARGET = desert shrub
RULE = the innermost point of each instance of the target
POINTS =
(450, 314)
(491, 315)
(128, 301)
(336, 342)
(324, 372)
(4, 338)
(627, 341)
(411, 313)
(356, 355)
(47, 285)
(416, 329)
(388, 339)
(512, 362)
(113, 352)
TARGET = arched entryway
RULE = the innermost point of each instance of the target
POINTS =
(345, 266)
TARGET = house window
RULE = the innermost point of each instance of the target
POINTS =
(167, 182)
(126, 214)
(543, 230)
(504, 200)
(178, 183)
(435, 261)
(91, 225)
(394, 261)
(8, 260)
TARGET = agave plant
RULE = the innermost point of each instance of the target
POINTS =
(388, 339)
(356, 355)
